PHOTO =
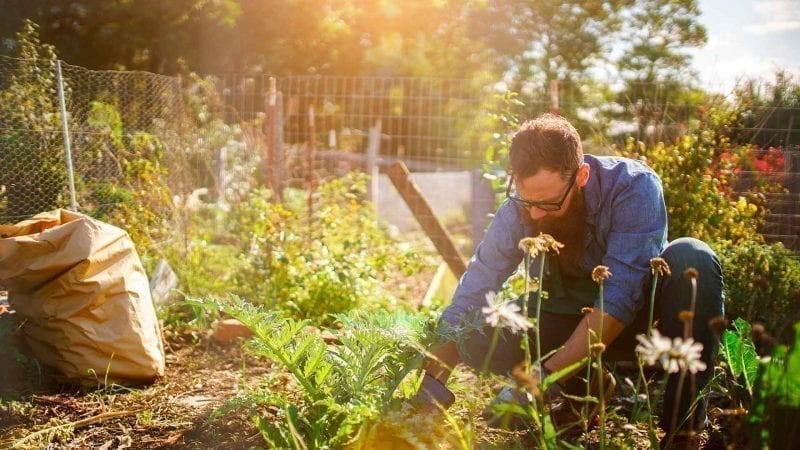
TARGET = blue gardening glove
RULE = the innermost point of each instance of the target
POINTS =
(432, 395)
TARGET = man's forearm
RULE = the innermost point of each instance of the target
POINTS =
(578, 345)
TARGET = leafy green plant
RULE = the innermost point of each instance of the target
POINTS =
(762, 283)
(340, 388)
(271, 253)
(740, 354)
(695, 191)
(775, 413)
(32, 169)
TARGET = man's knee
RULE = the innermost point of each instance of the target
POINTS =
(684, 253)
(690, 253)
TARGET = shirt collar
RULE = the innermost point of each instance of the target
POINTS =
(591, 191)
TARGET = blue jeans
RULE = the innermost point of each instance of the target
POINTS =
(673, 295)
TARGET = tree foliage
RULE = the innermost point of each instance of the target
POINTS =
(655, 66)
(32, 169)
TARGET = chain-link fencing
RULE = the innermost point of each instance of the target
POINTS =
(33, 170)
(139, 142)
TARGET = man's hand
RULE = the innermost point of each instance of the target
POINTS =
(433, 396)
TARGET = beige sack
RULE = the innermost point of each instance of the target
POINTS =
(80, 288)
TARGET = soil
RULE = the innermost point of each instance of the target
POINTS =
(174, 412)
(185, 409)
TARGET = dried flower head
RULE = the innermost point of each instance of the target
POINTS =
(542, 243)
(587, 310)
(597, 348)
(674, 355)
(757, 332)
(504, 314)
(686, 316)
(690, 273)
(527, 380)
(762, 338)
(659, 266)
(600, 274)
(718, 324)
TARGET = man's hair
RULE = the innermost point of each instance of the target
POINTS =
(547, 142)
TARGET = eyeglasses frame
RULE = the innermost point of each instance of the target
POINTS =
(544, 206)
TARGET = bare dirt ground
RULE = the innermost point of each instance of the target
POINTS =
(174, 412)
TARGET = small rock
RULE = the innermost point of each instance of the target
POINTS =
(228, 330)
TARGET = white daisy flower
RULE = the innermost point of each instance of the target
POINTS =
(504, 314)
(674, 355)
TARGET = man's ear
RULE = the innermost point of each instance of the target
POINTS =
(583, 175)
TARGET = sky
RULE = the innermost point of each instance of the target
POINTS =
(747, 38)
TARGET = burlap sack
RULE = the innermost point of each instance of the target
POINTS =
(80, 288)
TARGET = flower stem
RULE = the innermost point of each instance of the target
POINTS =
(652, 304)
(601, 374)
(542, 257)
(492, 347)
(651, 429)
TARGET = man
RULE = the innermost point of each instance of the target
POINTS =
(606, 211)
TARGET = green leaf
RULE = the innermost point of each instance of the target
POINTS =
(782, 375)
(739, 351)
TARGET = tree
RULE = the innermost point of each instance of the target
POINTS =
(654, 65)
(152, 35)
(539, 42)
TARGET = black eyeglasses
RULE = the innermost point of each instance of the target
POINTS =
(544, 206)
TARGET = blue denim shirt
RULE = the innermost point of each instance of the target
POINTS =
(626, 227)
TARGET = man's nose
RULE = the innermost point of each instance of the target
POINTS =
(536, 213)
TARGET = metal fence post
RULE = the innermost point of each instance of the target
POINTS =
(373, 150)
(67, 147)
(310, 160)
(280, 154)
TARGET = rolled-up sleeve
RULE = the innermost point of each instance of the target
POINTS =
(494, 260)
(638, 229)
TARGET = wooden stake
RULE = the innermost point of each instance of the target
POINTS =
(401, 179)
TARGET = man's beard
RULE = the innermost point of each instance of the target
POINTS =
(569, 229)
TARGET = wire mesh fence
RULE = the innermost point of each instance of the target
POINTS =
(33, 168)
(114, 123)
(146, 142)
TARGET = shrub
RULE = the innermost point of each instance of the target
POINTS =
(274, 254)
(762, 282)
(32, 169)
(697, 189)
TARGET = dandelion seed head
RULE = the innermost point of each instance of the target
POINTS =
(587, 310)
